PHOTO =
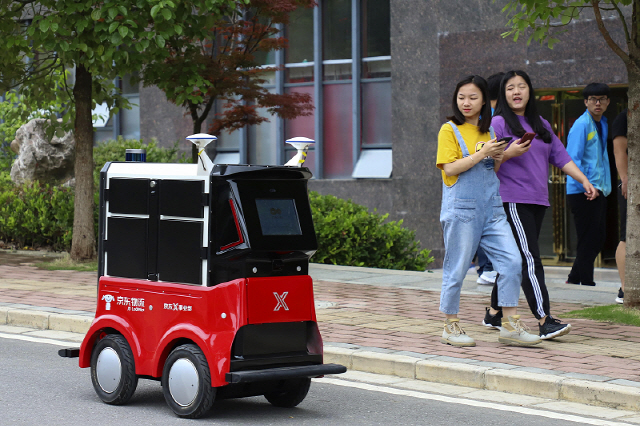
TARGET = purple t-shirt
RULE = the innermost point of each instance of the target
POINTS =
(524, 179)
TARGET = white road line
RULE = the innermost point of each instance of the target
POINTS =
(470, 402)
(38, 340)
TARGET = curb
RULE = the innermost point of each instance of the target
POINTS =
(496, 379)
(454, 373)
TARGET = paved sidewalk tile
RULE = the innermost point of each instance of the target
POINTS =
(390, 318)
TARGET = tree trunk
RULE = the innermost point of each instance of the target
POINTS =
(83, 242)
(632, 264)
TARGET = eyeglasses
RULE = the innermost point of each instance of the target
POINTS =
(601, 100)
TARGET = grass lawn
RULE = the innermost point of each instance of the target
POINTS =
(612, 313)
(66, 263)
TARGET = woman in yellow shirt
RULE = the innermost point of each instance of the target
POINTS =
(472, 214)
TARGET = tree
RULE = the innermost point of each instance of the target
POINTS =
(545, 18)
(99, 40)
(224, 65)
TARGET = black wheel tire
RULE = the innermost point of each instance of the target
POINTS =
(293, 393)
(192, 397)
(113, 370)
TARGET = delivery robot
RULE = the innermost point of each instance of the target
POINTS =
(203, 283)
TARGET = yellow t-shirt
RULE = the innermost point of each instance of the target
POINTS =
(449, 150)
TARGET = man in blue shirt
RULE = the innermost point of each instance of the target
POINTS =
(587, 146)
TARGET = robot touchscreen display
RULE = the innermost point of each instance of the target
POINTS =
(278, 216)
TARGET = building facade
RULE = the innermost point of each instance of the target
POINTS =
(381, 74)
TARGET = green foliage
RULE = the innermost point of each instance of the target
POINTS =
(114, 150)
(65, 263)
(46, 100)
(544, 20)
(611, 313)
(348, 234)
(36, 215)
(39, 215)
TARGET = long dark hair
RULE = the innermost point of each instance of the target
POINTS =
(530, 111)
(485, 112)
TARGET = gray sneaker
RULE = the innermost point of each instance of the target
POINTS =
(515, 333)
(454, 335)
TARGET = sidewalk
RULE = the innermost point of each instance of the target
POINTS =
(387, 322)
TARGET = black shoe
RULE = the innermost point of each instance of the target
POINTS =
(592, 284)
(553, 328)
(620, 298)
(493, 321)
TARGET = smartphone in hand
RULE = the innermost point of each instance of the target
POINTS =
(527, 137)
(504, 140)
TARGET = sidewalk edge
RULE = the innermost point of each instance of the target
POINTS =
(475, 376)
(519, 382)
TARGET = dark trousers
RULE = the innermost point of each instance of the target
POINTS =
(590, 219)
(526, 222)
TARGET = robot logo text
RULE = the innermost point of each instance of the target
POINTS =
(281, 303)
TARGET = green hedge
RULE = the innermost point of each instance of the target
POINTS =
(36, 215)
(348, 234)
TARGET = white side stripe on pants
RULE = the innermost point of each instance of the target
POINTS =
(531, 270)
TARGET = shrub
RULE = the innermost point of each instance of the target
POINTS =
(348, 234)
(114, 150)
(35, 214)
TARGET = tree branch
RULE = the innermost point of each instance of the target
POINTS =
(624, 22)
(607, 37)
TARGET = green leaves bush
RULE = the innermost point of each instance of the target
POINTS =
(114, 150)
(348, 234)
(38, 215)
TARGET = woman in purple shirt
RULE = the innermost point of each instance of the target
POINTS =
(523, 187)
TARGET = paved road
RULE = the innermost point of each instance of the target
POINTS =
(37, 387)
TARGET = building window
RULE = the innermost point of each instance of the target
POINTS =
(126, 122)
(299, 55)
(351, 122)
(336, 39)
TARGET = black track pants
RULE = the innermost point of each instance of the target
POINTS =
(590, 219)
(526, 222)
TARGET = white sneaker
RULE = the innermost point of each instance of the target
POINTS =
(487, 278)
(454, 335)
(514, 332)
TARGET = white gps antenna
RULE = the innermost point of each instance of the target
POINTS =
(302, 145)
(201, 140)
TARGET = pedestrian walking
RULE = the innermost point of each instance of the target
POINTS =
(471, 214)
(523, 186)
(620, 151)
(587, 146)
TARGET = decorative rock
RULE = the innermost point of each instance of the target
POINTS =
(41, 159)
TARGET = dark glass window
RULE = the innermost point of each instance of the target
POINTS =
(376, 31)
(299, 55)
(336, 36)
(376, 39)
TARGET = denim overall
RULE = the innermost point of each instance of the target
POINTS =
(472, 214)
